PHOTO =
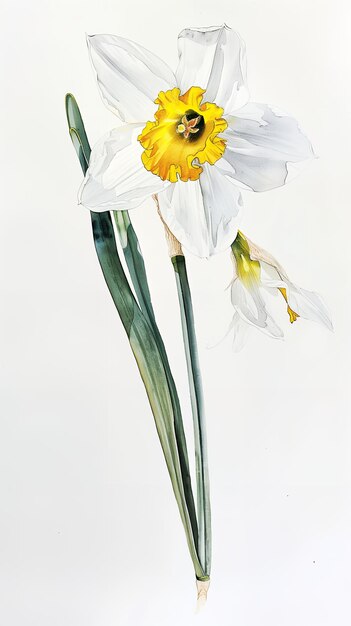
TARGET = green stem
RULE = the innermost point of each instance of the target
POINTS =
(140, 335)
(197, 403)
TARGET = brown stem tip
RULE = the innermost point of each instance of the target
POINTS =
(202, 590)
(174, 247)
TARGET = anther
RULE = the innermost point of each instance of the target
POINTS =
(187, 127)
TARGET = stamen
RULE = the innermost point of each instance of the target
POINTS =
(292, 315)
(193, 122)
(187, 127)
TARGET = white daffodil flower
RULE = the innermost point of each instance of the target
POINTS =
(194, 149)
(257, 274)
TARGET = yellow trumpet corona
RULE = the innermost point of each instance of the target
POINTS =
(183, 136)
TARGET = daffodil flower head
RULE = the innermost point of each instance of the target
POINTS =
(256, 274)
(191, 137)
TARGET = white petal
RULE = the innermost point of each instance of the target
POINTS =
(270, 277)
(309, 305)
(251, 308)
(249, 303)
(116, 178)
(241, 330)
(215, 60)
(268, 263)
(203, 214)
(129, 76)
(261, 143)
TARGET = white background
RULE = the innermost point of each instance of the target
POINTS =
(89, 529)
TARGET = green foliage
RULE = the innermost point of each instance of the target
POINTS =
(145, 340)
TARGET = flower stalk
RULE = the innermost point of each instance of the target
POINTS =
(197, 404)
(196, 397)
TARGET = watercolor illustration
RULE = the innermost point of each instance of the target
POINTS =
(194, 142)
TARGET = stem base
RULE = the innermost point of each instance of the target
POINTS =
(202, 590)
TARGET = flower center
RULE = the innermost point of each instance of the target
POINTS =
(183, 136)
(191, 124)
